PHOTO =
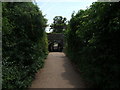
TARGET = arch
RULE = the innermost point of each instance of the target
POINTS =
(56, 42)
(52, 47)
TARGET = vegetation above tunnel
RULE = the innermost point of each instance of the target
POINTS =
(59, 24)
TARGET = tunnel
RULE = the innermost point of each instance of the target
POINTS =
(55, 47)
(55, 42)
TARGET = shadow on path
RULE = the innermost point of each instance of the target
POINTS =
(58, 72)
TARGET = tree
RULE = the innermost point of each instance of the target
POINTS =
(59, 24)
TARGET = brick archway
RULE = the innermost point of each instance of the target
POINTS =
(54, 39)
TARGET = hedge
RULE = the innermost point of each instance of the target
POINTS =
(24, 45)
(93, 44)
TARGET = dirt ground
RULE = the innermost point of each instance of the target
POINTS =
(58, 72)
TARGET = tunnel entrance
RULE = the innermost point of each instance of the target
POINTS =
(55, 47)
(55, 42)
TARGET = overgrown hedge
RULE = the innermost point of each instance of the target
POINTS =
(24, 45)
(93, 44)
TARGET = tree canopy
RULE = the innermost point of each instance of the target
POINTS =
(59, 24)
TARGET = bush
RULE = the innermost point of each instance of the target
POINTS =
(24, 43)
(93, 44)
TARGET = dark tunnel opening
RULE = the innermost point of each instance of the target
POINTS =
(55, 47)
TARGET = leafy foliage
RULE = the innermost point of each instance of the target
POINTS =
(59, 24)
(93, 44)
(24, 43)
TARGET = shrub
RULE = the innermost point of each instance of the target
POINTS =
(24, 43)
(93, 44)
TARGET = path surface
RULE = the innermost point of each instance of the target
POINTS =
(57, 73)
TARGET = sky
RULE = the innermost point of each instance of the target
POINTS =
(64, 8)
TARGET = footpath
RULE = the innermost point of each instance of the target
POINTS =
(58, 72)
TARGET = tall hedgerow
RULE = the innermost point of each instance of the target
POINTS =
(93, 44)
(24, 44)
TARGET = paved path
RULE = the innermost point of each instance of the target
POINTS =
(57, 73)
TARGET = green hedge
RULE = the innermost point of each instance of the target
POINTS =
(93, 44)
(24, 45)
